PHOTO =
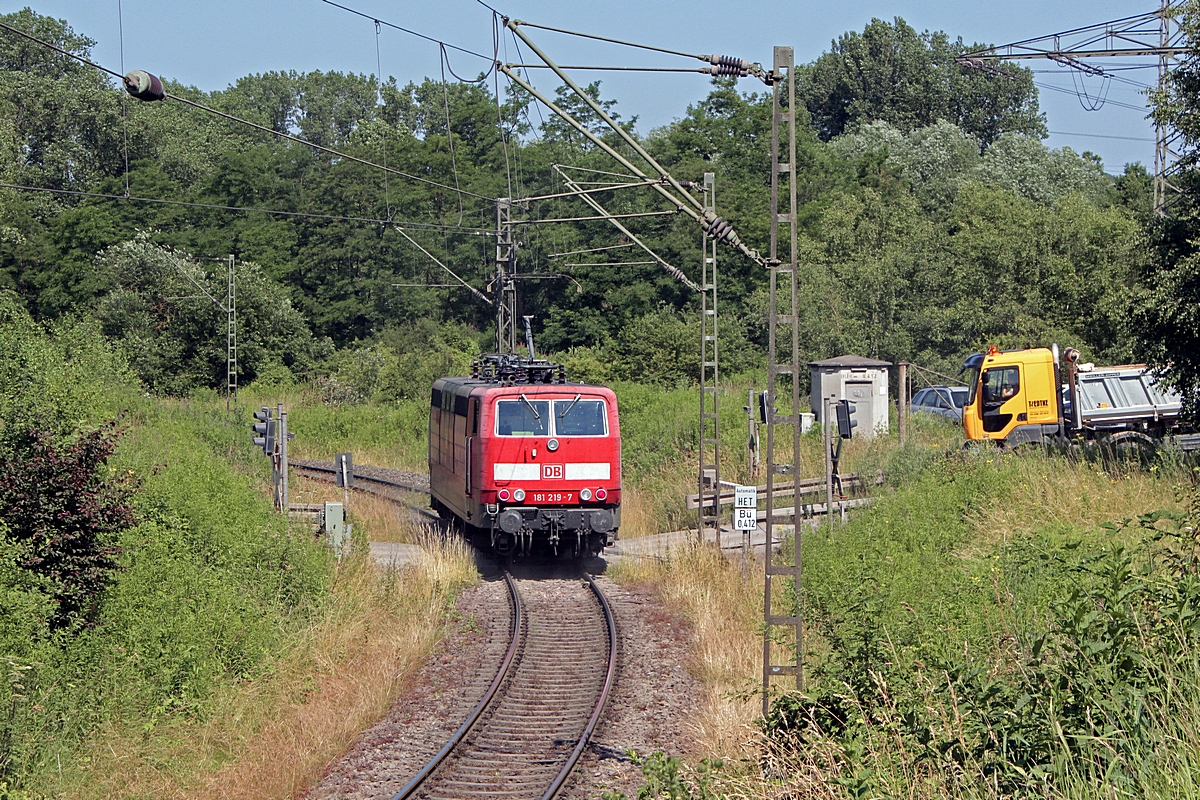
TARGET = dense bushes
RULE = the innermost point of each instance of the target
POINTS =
(1046, 667)
(139, 577)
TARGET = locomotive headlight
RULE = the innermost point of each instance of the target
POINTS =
(552, 445)
(585, 494)
(504, 495)
(519, 495)
(601, 494)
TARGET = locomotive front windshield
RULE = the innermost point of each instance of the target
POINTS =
(579, 417)
(525, 417)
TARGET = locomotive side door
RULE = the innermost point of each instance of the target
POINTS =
(472, 435)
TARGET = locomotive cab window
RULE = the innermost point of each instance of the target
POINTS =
(580, 418)
(523, 417)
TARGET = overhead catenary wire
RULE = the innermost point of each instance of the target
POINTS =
(387, 197)
(255, 125)
(610, 40)
(409, 31)
(1063, 90)
(251, 210)
(671, 269)
(590, 219)
(448, 271)
(1102, 136)
(606, 188)
(449, 127)
(696, 70)
(499, 112)
(589, 250)
(124, 96)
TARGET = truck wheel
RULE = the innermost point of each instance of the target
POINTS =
(1128, 448)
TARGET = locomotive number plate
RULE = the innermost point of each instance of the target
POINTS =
(552, 497)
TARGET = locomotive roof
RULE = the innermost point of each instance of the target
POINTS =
(466, 384)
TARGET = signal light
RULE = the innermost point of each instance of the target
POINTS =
(601, 494)
(585, 494)
(264, 431)
(504, 495)
(519, 495)
(846, 425)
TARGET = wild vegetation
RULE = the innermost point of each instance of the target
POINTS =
(991, 627)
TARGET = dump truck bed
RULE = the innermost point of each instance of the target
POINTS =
(1110, 396)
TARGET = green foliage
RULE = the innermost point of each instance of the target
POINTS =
(63, 512)
(1166, 320)
(939, 159)
(201, 593)
(665, 779)
(890, 72)
(890, 212)
(1045, 667)
(162, 307)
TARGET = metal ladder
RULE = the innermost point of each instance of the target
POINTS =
(231, 365)
(783, 116)
(710, 446)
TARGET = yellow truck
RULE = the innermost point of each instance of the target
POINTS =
(1033, 396)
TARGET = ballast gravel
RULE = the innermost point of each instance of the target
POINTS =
(648, 709)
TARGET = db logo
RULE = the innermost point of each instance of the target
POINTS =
(552, 472)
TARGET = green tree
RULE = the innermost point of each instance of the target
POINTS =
(890, 72)
(1166, 309)
(160, 309)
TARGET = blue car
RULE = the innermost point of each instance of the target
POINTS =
(945, 401)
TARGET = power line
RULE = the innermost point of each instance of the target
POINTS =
(218, 207)
(1116, 103)
(1103, 136)
(410, 31)
(622, 42)
(254, 125)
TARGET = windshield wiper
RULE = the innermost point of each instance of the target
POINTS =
(532, 410)
(570, 405)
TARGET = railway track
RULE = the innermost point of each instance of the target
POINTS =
(526, 734)
(384, 487)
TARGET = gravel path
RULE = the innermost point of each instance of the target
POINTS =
(648, 709)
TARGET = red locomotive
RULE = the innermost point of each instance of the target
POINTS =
(525, 461)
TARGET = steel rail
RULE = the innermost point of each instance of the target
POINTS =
(333, 471)
(484, 702)
(506, 667)
(609, 676)
(308, 465)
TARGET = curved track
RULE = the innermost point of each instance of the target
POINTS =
(524, 737)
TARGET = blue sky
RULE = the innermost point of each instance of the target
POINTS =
(212, 43)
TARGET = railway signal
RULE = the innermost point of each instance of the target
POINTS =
(845, 424)
(264, 431)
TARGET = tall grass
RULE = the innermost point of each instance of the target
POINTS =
(725, 613)
(943, 624)
(270, 736)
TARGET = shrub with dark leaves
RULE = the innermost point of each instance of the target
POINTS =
(64, 509)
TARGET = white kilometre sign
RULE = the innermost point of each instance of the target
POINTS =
(745, 508)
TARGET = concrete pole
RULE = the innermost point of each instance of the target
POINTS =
(903, 410)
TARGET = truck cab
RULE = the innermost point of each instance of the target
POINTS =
(1014, 396)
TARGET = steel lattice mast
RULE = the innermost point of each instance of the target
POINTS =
(1155, 35)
